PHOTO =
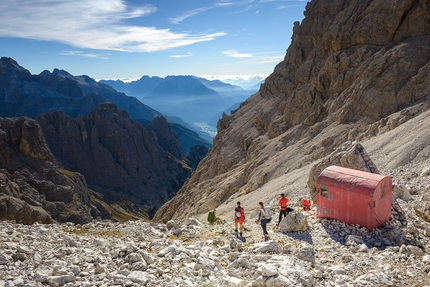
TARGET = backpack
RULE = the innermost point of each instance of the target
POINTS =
(239, 212)
(211, 217)
(268, 213)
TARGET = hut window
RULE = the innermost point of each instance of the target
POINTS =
(324, 190)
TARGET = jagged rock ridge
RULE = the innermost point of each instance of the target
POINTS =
(354, 70)
(119, 158)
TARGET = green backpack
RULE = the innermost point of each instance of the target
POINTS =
(211, 217)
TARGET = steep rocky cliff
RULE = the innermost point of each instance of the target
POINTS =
(32, 187)
(355, 70)
(120, 159)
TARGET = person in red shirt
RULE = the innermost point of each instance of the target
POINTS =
(239, 218)
(306, 203)
(283, 201)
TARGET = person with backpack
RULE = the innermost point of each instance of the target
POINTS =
(213, 219)
(283, 211)
(262, 219)
(239, 218)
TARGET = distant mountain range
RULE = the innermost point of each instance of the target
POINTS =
(190, 98)
(24, 94)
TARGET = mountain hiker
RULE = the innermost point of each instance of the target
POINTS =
(263, 221)
(283, 201)
(306, 203)
(239, 218)
(212, 218)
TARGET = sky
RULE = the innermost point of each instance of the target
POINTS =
(118, 39)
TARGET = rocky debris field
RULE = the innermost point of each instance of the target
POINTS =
(139, 253)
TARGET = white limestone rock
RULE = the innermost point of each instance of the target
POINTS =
(138, 277)
(306, 253)
(193, 221)
(270, 246)
(294, 221)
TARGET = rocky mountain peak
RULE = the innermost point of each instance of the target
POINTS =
(10, 75)
(6, 62)
(62, 73)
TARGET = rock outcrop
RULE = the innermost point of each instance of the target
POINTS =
(32, 187)
(187, 137)
(169, 140)
(354, 71)
(119, 158)
(197, 153)
(166, 137)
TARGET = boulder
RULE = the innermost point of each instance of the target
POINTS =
(14, 209)
(294, 221)
(270, 246)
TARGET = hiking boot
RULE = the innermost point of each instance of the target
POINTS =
(240, 234)
(266, 238)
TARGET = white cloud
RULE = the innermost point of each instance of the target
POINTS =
(260, 58)
(197, 11)
(265, 60)
(194, 12)
(92, 24)
(85, 55)
(235, 54)
(182, 56)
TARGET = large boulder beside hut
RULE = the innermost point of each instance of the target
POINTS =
(294, 221)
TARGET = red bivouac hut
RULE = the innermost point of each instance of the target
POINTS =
(354, 196)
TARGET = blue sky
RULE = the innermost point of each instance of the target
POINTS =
(111, 39)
